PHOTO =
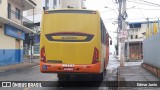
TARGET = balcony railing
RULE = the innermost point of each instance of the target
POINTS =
(18, 18)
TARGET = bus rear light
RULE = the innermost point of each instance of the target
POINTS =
(43, 56)
(95, 56)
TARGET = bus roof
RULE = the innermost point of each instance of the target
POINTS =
(83, 11)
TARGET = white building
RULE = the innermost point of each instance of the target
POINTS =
(56, 4)
(137, 33)
(52, 4)
(79, 4)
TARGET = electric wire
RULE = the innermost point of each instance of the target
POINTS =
(142, 3)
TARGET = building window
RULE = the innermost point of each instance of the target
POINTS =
(136, 30)
(136, 36)
(131, 36)
(9, 10)
(18, 13)
(0, 1)
(46, 4)
(36, 49)
(55, 2)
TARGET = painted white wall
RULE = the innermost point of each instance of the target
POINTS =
(139, 33)
(3, 7)
(6, 41)
(72, 3)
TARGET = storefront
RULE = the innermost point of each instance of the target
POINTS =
(11, 45)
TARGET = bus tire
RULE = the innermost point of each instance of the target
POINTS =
(60, 76)
(63, 77)
(102, 75)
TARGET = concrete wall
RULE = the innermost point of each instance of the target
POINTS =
(72, 3)
(7, 40)
(3, 7)
(142, 30)
(151, 50)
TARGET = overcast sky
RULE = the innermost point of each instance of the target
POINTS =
(137, 10)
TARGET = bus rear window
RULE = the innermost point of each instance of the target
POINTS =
(71, 11)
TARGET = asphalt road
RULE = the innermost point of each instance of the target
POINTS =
(34, 74)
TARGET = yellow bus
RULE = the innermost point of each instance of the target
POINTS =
(73, 42)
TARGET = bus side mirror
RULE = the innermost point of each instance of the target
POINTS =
(110, 42)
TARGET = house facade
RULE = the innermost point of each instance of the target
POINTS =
(137, 33)
(13, 27)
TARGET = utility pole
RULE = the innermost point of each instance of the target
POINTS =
(119, 26)
(128, 41)
(122, 17)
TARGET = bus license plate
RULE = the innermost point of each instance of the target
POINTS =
(68, 69)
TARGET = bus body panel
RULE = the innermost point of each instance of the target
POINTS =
(71, 39)
(71, 52)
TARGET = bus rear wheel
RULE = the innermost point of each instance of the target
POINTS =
(63, 77)
(101, 76)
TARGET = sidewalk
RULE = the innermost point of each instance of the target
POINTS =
(24, 64)
(136, 73)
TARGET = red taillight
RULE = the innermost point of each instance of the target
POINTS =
(43, 55)
(95, 56)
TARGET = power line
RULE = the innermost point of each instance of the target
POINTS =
(106, 11)
(112, 9)
(150, 2)
(115, 4)
(143, 18)
(144, 8)
(143, 3)
(109, 19)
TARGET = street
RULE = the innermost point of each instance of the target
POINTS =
(34, 74)
(91, 44)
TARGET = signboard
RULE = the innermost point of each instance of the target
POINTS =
(123, 34)
(14, 32)
(37, 39)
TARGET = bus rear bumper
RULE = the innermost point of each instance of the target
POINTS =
(70, 68)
